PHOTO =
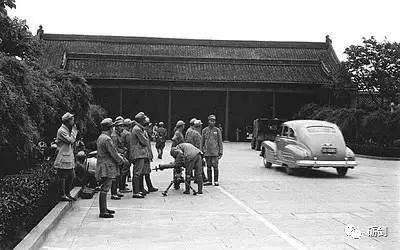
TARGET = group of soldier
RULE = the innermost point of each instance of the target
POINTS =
(124, 143)
(196, 145)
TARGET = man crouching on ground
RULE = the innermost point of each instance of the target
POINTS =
(108, 162)
(192, 159)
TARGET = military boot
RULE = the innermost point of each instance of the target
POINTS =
(187, 185)
(149, 184)
(216, 174)
(141, 186)
(200, 186)
(203, 175)
(209, 177)
(136, 188)
(103, 206)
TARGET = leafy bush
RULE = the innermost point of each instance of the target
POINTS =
(348, 120)
(374, 150)
(306, 112)
(32, 101)
(375, 127)
(378, 130)
(95, 115)
(394, 125)
(25, 199)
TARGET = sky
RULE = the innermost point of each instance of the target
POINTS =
(346, 21)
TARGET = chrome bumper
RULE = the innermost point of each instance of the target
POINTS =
(317, 164)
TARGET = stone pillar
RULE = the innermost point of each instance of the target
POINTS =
(273, 103)
(226, 134)
(169, 111)
(120, 101)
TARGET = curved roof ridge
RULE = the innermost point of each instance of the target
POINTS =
(185, 42)
(127, 57)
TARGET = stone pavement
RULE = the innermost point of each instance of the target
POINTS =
(255, 208)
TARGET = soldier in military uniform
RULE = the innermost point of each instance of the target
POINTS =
(125, 172)
(197, 126)
(65, 160)
(192, 160)
(147, 169)
(197, 141)
(138, 153)
(116, 136)
(161, 137)
(178, 137)
(192, 136)
(108, 163)
(212, 148)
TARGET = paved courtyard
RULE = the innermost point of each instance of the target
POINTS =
(254, 208)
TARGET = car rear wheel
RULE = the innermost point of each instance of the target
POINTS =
(267, 164)
(289, 170)
(341, 171)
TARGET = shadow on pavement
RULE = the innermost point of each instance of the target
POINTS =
(313, 173)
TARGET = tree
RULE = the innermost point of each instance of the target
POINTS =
(6, 3)
(33, 98)
(15, 37)
(374, 67)
(17, 40)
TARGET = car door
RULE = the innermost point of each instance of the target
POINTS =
(288, 154)
(281, 142)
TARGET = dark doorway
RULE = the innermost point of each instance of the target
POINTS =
(244, 108)
(154, 103)
(288, 104)
(108, 99)
(199, 104)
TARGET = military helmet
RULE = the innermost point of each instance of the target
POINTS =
(180, 123)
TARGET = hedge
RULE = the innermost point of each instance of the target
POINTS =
(372, 132)
(25, 198)
(374, 150)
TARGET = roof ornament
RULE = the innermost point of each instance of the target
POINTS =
(40, 32)
(328, 40)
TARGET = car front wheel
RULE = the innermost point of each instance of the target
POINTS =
(341, 171)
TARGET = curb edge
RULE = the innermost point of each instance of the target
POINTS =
(378, 157)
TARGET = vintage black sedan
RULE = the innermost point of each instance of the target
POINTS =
(308, 144)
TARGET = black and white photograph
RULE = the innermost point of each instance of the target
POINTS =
(214, 124)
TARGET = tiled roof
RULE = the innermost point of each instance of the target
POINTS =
(107, 66)
(188, 59)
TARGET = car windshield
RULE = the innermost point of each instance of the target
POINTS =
(321, 129)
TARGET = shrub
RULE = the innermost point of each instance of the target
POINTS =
(348, 120)
(25, 198)
(374, 150)
(306, 112)
(375, 127)
(372, 132)
(394, 125)
(95, 115)
(32, 100)
(323, 113)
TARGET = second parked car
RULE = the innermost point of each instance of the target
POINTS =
(308, 144)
